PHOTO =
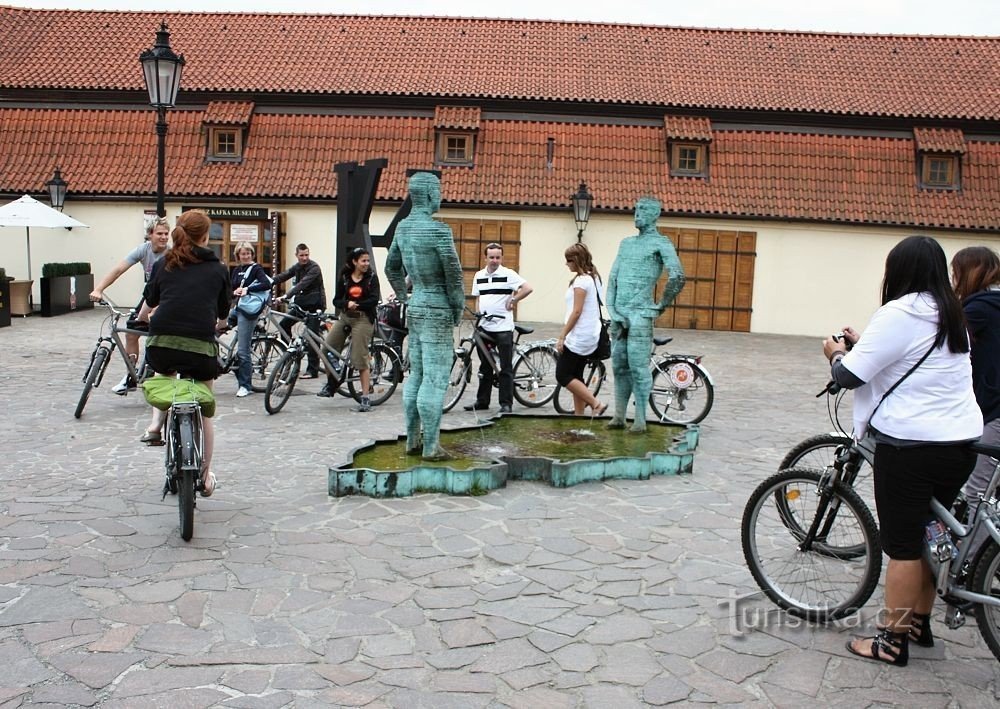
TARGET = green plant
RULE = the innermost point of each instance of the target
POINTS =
(55, 270)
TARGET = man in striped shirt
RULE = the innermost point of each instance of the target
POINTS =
(498, 289)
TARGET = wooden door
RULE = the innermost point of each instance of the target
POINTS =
(471, 238)
(719, 267)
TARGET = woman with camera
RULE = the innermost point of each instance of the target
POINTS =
(913, 382)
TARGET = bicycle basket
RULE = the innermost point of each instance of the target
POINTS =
(162, 391)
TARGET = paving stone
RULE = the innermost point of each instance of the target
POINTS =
(18, 662)
(529, 611)
(195, 698)
(247, 681)
(115, 639)
(577, 658)
(609, 695)
(175, 639)
(526, 677)
(618, 630)
(446, 598)
(165, 592)
(547, 642)
(42, 604)
(64, 694)
(97, 671)
(298, 678)
(273, 700)
(733, 666)
(542, 698)
(155, 681)
(454, 659)
(355, 695)
(279, 655)
(509, 655)
(344, 674)
(665, 689)
(464, 633)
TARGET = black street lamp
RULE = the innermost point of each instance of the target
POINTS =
(57, 190)
(582, 202)
(161, 68)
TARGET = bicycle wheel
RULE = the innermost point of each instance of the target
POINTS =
(535, 376)
(814, 583)
(385, 372)
(594, 374)
(681, 392)
(264, 352)
(183, 460)
(818, 452)
(458, 378)
(91, 378)
(986, 580)
(281, 381)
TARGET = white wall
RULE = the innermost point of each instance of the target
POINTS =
(808, 280)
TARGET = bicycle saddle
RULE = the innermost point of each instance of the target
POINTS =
(524, 329)
(660, 341)
(986, 449)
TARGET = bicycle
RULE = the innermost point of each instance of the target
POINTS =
(534, 365)
(266, 346)
(682, 391)
(815, 551)
(108, 341)
(385, 368)
(185, 446)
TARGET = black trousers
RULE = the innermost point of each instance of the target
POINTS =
(504, 342)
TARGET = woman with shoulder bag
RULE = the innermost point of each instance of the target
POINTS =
(581, 331)
(913, 382)
(251, 288)
(356, 300)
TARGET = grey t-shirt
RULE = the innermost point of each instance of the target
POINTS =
(144, 254)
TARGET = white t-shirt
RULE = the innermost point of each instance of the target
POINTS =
(494, 290)
(582, 339)
(936, 402)
(144, 254)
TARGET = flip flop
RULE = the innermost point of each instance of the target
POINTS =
(600, 409)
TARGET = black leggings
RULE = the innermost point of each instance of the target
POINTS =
(569, 366)
(905, 481)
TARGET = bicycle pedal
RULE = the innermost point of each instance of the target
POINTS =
(954, 618)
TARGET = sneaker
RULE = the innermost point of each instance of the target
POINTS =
(124, 386)
(241, 392)
(364, 406)
(505, 408)
(326, 391)
(476, 407)
(308, 375)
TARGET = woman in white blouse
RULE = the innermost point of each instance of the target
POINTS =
(578, 338)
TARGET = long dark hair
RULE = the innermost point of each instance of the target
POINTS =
(974, 269)
(917, 264)
(351, 262)
(191, 228)
(583, 263)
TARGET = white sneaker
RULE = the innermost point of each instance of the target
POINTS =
(243, 391)
(124, 386)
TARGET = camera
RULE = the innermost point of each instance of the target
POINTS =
(840, 337)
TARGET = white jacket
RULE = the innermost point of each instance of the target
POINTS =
(935, 403)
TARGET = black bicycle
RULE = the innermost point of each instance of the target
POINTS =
(108, 341)
(534, 365)
(267, 344)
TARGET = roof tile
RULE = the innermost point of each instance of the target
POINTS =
(942, 140)
(474, 58)
(457, 117)
(688, 128)
(754, 174)
(232, 113)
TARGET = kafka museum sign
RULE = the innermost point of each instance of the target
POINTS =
(232, 212)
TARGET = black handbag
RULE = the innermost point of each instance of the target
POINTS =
(603, 350)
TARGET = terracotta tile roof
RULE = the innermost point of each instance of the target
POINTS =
(457, 117)
(230, 113)
(879, 75)
(687, 128)
(836, 178)
(942, 140)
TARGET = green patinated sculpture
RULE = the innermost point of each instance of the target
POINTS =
(424, 250)
(631, 285)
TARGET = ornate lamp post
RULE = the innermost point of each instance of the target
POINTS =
(57, 190)
(161, 68)
(582, 201)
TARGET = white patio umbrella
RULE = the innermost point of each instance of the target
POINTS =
(29, 212)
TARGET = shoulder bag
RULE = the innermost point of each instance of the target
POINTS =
(603, 350)
(253, 302)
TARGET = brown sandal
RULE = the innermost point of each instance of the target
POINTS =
(888, 647)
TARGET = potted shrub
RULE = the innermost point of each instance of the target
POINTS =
(65, 287)
(4, 298)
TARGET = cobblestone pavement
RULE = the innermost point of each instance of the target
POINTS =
(616, 594)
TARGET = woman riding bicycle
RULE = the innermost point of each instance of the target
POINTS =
(190, 290)
(578, 337)
(914, 392)
(356, 300)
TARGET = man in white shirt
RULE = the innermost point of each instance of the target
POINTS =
(498, 289)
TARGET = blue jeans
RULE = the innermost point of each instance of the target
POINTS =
(244, 336)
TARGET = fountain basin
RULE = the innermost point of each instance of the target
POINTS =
(559, 450)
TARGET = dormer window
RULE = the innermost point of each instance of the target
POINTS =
(226, 125)
(456, 129)
(688, 140)
(939, 157)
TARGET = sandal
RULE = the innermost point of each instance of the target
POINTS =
(888, 647)
(208, 484)
(152, 438)
(599, 409)
(920, 630)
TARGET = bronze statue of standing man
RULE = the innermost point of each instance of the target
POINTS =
(424, 250)
(640, 261)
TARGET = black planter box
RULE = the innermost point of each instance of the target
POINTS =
(4, 303)
(65, 294)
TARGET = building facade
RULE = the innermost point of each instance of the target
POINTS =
(788, 163)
